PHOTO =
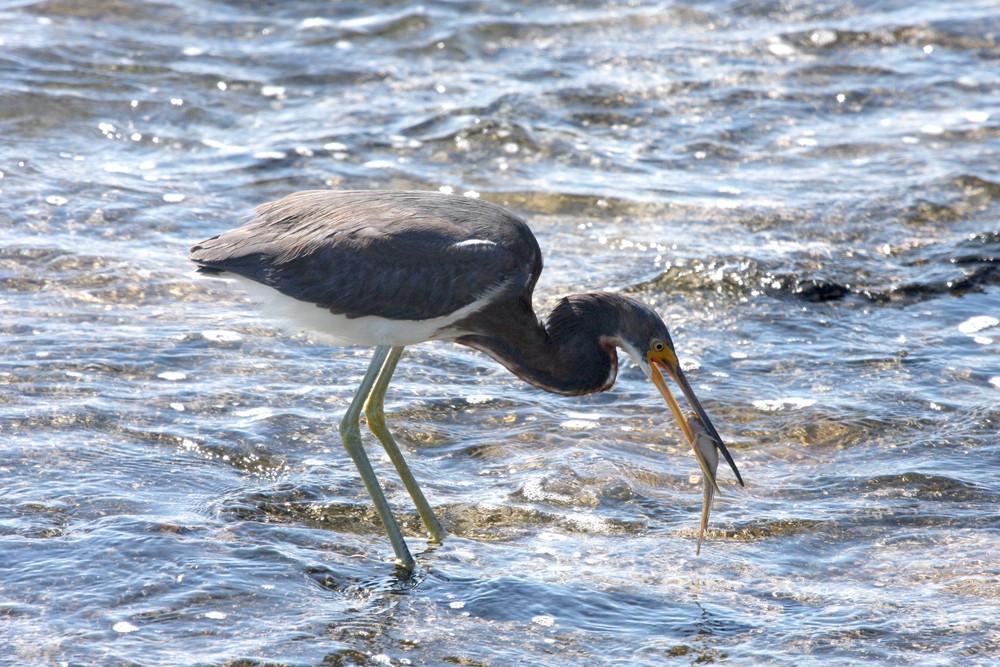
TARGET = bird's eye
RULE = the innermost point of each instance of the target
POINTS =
(658, 346)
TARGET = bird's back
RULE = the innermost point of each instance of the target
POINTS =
(397, 255)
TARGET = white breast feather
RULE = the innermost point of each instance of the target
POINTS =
(370, 330)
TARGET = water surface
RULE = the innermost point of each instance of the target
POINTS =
(808, 192)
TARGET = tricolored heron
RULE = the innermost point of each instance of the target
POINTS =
(391, 269)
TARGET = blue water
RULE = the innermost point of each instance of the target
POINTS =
(808, 192)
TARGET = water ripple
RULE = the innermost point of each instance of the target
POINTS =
(807, 192)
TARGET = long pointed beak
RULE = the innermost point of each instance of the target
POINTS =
(677, 375)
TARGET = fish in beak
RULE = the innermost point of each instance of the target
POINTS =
(666, 360)
(707, 452)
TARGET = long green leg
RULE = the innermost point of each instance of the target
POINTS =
(350, 432)
(375, 413)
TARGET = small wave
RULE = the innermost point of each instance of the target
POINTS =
(954, 35)
(927, 487)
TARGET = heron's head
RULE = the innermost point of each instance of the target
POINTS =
(644, 336)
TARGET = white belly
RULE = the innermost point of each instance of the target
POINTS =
(369, 330)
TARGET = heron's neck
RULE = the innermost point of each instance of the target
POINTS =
(568, 354)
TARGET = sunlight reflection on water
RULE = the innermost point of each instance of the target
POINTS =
(808, 194)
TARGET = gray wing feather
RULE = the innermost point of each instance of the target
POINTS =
(399, 255)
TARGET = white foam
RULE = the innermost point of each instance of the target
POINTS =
(789, 403)
(976, 324)
(221, 335)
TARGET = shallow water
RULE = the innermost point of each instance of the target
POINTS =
(808, 192)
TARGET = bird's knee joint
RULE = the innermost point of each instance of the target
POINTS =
(349, 428)
(374, 415)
